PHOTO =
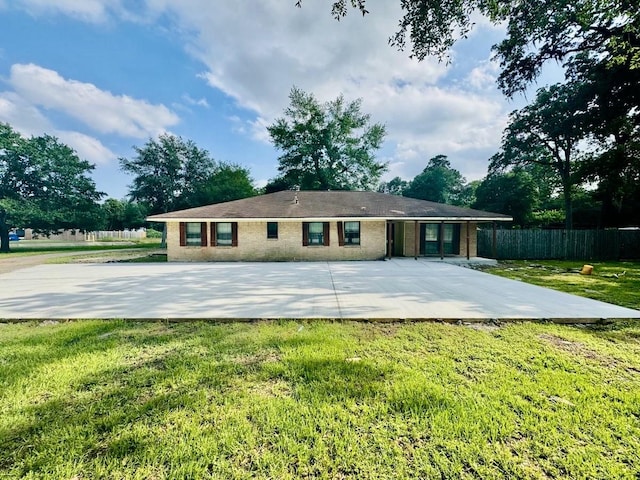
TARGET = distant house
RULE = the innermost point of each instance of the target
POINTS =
(322, 225)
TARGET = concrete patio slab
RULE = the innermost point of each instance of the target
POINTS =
(396, 289)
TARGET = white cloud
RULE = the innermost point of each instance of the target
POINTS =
(256, 51)
(22, 115)
(100, 110)
(29, 121)
(87, 147)
(94, 11)
(484, 76)
(201, 102)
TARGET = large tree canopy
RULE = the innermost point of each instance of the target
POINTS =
(326, 146)
(43, 186)
(227, 182)
(438, 182)
(511, 193)
(168, 173)
(122, 214)
(547, 133)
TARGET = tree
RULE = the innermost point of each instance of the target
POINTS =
(395, 186)
(326, 146)
(44, 185)
(122, 214)
(467, 196)
(438, 182)
(227, 182)
(168, 173)
(511, 193)
(547, 133)
(614, 125)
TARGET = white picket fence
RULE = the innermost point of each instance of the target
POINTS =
(115, 235)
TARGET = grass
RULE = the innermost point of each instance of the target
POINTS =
(112, 399)
(44, 248)
(613, 282)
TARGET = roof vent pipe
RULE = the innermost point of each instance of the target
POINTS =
(295, 199)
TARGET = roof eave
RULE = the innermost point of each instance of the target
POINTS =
(157, 218)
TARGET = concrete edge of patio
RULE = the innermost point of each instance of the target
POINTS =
(481, 321)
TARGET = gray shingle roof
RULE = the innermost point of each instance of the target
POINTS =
(331, 204)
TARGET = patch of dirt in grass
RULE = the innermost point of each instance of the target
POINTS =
(273, 388)
(482, 326)
(111, 257)
(579, 349)
(519, 447)
(250, 360)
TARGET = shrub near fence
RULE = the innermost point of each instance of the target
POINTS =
(560, 244)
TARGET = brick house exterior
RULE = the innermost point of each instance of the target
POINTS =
(322, 225)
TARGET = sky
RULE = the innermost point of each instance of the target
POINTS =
(106, 75)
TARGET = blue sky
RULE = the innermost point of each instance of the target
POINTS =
(104, 75)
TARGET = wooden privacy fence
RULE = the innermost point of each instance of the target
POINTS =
(560, 244)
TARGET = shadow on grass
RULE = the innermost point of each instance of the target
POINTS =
(99, 414)
(107, 416)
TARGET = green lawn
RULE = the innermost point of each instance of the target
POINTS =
(613, 282)
(57, 247)
(112, 399)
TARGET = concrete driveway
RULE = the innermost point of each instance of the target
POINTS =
(396, 289)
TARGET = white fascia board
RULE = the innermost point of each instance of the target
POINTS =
(333, 219)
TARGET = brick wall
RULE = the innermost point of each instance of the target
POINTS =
(473, 240)
(253, 244)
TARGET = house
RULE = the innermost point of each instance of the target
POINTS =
(322, 225)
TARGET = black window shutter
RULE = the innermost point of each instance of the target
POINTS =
(305, 234)
(234, 234)
(183, 234)
(203, 234)
(341, 233)
(423, 236)
(325, 233)
(214, 235)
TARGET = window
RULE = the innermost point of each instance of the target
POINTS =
(352, 233)
(315, 233)
(193, 234)
(348, 233)
(224, 235)
(272, 230)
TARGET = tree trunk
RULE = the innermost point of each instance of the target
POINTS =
(4, 232)
(163, 241)
(568, 207)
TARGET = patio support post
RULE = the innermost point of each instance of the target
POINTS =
(415, 239)
(441, 237)
(468, 239)
(494, 244)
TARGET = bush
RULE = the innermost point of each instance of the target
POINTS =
(151, 233)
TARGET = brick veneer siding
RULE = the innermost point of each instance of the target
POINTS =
(473, 240)
(253, 245)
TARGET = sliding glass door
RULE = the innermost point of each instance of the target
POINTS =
(431, 235)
